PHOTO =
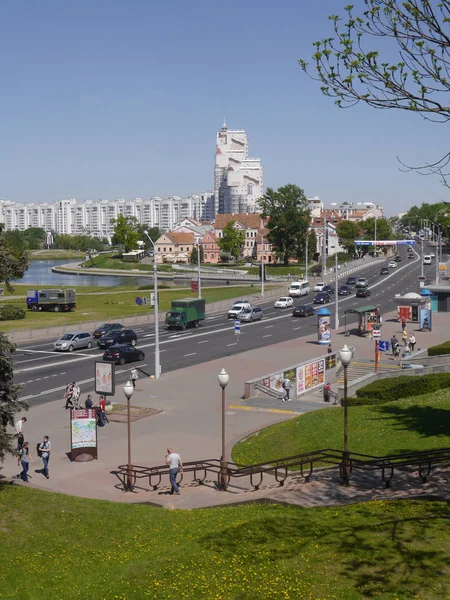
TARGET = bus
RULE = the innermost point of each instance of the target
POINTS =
(299, 288)
(427, 259)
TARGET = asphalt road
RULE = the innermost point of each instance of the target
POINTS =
(44, 373)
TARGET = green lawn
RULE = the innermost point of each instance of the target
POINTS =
(56, 254)
(113, 261)
(413, 424)
(59, 547)
(105, 306)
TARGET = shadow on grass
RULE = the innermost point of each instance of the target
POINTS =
(427, 421)
(375, 550)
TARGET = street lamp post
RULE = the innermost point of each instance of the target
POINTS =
(223, 378)
(346, 356)
(421, 266)
(156, 311)
(262, 263)
(198, 266)
(336, 293)
(306, 257)
(128, 391)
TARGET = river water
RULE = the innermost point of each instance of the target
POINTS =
(40, 273)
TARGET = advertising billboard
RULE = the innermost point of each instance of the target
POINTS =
(105, 378)
(83, 432)
(324, 329)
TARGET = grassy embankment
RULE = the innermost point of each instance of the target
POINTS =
(407, 425)
(56, 254)
(112, 305)
(58, 547)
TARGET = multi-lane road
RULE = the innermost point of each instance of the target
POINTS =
(44, 373)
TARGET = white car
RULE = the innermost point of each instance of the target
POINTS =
(284, 302)
(319, 287)
(392, 264)
(237, 308)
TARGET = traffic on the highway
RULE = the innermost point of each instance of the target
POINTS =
(44, 372)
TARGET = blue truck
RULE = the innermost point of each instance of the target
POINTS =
(51, 300)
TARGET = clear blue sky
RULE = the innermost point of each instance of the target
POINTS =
(91, 89)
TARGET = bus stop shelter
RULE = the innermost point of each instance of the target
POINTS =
(369, 318)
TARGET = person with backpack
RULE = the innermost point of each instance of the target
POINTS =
(286, 385)
(44, 450)
(396, 351)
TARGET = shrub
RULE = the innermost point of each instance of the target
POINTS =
(354, 401)
(404, 387)
(9, 312)
(440, 349)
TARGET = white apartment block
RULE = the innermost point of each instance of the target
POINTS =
(93, 217)
(238, 180)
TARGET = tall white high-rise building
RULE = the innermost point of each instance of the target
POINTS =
(238, 180)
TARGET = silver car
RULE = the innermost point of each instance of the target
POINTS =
(73, 341)
(251, 314)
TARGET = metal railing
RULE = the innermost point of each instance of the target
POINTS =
(302, 465)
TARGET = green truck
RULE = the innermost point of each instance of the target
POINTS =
(187, 312)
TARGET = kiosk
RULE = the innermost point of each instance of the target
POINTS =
(369, 318)
(408, 307)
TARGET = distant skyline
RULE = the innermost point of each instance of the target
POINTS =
(109, 99)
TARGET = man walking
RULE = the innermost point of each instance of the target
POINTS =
(175, 465)
(286, 384)
(44, 448)
(19, 432)
(134, 374)
(405, 337)
(24, 459)
(69, 395)
(412, 342)
(394, 342)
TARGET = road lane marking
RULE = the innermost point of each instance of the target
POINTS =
(268, 326)
(203, 342)
(269, 335)
(190, 354)
(234, 344)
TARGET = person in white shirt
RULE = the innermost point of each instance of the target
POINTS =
(134, 376)
(19, 432)
(44, 448)
(175, 465)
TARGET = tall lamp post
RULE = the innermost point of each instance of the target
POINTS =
(223, 378)
(128, 391)
(346, 356)
(198, 270)
(262, 263)
(156, 311)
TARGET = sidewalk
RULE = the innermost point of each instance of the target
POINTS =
(190, 422)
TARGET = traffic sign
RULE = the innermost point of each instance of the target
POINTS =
(152, 299)
(237, 327)
(194, 285)
(376, 334)
(139, 301)
(383, 346)
(145, 300)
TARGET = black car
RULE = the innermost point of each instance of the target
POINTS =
(321, 298)
(328, 289)
(345, 290)
(398, 259)
(363, 293)
(384, 271)
(351, 280)
(303, 311)
(122, 353)
(123, 336)
(106, 328)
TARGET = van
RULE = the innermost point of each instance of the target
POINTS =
(427, 259)
(298, 288)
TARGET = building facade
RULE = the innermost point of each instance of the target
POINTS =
(238, 180)
(93, 217)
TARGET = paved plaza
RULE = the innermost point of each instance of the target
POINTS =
(190, 422)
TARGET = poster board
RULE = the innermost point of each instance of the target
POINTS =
(83, 433)
(310, 376)
(105, 378)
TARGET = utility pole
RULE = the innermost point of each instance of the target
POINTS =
(421, 266)
(198, 269)
(336, 293)
(306, 258)
(262, 264)
(324, 246)
(155, 310)
(375, 238)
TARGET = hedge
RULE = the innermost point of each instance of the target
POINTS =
(9, 312)
(404, 387)
(440, 349)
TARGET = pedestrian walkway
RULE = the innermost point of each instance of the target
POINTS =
(187, 416)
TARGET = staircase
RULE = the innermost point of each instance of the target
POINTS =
(357, 369)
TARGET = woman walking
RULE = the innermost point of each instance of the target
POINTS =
(24, 459)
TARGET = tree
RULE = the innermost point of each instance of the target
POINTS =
(194, 255)
(34, 238)
(232, 240)
(14, 261)
(418, 81)
(154, 232)
(126, 232)
(384, 231)
(348, 232)
(288, 211)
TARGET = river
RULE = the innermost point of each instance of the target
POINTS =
(40, 273)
